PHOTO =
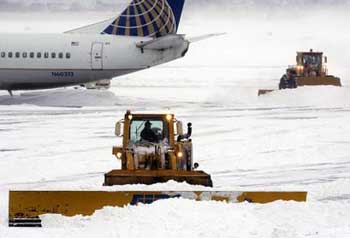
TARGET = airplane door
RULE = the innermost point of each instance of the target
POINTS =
(97, 56)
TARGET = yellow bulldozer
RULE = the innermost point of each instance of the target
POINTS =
(154, 150)
(310, 70)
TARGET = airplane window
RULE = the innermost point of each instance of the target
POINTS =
(60, 55)
(18, 54)
(10, 54)
(53, 55)
(46, 55)
(3, 54)
(68, 55)
(38, 55)
(24, 54)
(31, 54)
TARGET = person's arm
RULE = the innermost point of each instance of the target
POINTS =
(143, 134)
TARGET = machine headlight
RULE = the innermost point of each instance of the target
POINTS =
(180, 154)
(119, 155)
(169, 117)
(130, 117)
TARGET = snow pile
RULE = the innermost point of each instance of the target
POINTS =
(319, 97)
(61, 97)
(67, 98)
(185, 218)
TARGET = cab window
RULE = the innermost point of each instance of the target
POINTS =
(139, 131)
(311, 60)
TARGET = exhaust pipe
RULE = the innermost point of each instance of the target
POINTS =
(187, 135)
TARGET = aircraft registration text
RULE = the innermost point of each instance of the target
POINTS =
(62, 74)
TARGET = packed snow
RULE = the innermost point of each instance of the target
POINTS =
(287, 140)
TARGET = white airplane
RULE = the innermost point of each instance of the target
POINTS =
(144, 35)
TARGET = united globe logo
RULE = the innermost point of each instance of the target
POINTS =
(144, 18)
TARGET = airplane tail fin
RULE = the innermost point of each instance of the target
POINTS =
(148, 18)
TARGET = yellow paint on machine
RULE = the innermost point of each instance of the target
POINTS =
(320, 80)
(267, 197)
(32, 204)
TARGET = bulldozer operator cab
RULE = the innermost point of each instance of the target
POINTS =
(153, 141)
(153, 130)
(311, 64)
(148, 128)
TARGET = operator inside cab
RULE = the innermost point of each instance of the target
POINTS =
(148, 134)
(312, 64)
(151, 130)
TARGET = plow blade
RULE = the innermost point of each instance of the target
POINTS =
(125, 177)
(319, 80)
(265, 91)
(26, 207)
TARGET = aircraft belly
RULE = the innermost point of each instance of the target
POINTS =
(13, 79)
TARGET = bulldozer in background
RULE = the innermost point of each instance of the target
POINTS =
(310, 70)
(154, 150)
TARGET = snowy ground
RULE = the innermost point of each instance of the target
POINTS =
(288, 140)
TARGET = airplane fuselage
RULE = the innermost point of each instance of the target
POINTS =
(38, 61)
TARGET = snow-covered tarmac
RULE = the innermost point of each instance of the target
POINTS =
(288, 140)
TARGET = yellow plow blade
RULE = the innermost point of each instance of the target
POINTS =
(26, 207)
(319, 80)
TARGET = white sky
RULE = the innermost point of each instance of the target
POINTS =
(101, 5)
